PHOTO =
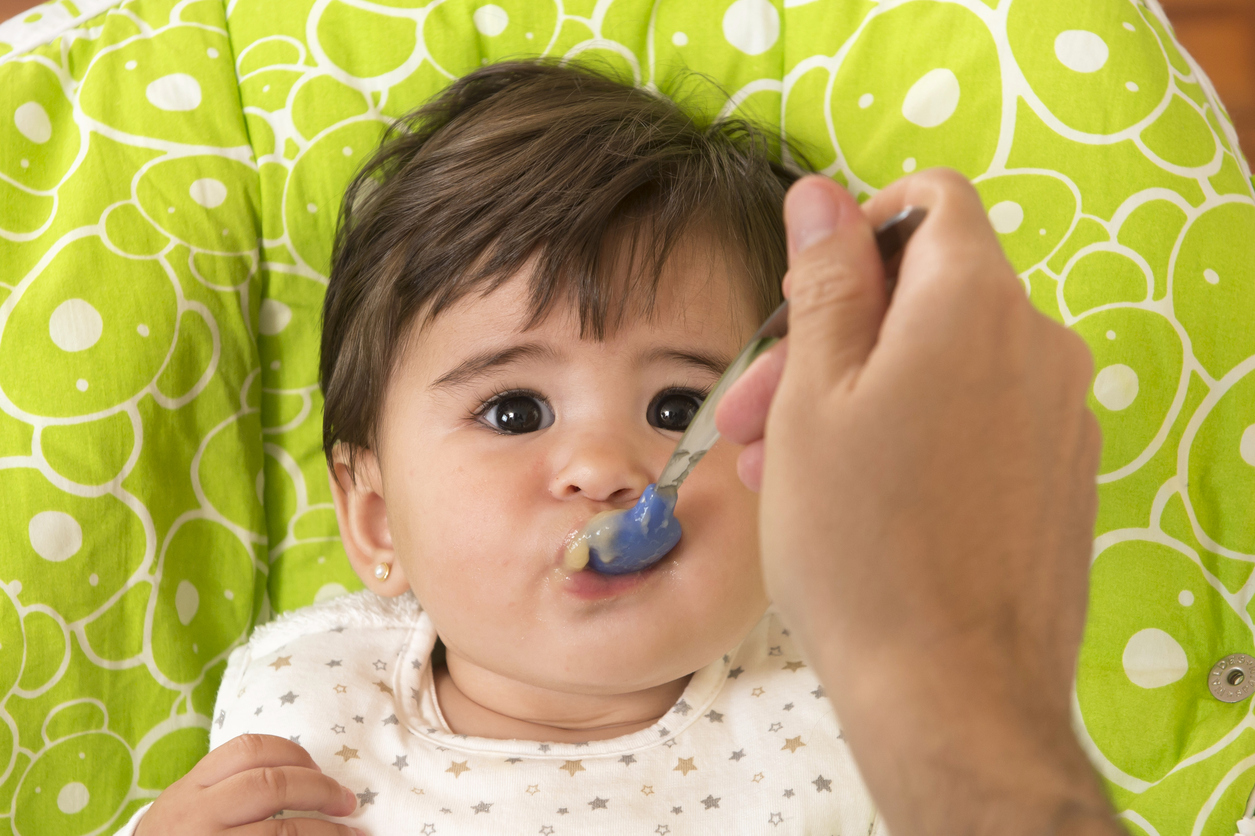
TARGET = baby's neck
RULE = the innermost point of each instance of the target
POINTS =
(480, 703)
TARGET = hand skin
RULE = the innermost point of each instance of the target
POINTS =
(928, 496)
(237, 787)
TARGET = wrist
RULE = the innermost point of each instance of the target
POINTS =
(965, 792)
(960, 737)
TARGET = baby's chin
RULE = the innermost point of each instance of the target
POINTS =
(624, 655)
(613, 671)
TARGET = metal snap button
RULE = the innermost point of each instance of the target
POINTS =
(1232, 679)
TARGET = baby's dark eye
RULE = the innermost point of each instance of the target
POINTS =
(518, 413)
(674, 410)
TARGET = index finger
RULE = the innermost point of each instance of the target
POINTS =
(953, 259)
(934, 188)
(249, 751)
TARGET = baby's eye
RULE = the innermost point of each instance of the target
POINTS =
(517, 413)
(674, 409)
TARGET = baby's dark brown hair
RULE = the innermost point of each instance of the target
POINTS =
(536, 161)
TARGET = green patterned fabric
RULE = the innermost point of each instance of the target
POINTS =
(170, 175)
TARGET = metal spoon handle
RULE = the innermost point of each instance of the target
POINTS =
(701, 435)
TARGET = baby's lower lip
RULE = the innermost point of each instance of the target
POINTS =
(592, 586)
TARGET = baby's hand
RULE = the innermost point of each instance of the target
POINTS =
(241, 784)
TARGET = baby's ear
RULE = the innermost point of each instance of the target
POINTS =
(357, 492)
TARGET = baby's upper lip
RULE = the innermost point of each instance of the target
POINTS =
(559, 557)
(575, 530)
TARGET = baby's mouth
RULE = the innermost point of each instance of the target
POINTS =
(597, 534)
(589, 585)
(625, 541)
(579, 577)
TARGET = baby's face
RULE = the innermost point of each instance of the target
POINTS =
(498, 444)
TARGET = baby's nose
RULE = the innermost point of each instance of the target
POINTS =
(603, 468)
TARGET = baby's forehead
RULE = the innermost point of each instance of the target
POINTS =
(697, 286)
(697, 318)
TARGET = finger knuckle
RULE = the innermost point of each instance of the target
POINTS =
(1093, 435)
(286, 827)
(273, 781)
(249, 746)
(1068, 352)
(1093, 425)
(1007, 287)
(946, 178)
(828, 285)
(1079, 369)
(1082, 357)
(951, 188)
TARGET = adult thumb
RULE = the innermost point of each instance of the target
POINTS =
(835, 283)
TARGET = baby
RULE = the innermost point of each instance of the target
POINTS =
(536, 280)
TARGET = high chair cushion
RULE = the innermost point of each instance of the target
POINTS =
(170, 176)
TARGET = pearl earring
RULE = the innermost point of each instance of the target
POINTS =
(382, 571)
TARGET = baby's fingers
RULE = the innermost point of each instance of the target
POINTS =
(257, 794)
(247, 752)
(295, 827)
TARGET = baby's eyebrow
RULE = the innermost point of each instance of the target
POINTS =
(477, 365)
(715, 363)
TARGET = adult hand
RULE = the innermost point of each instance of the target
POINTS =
(928, 496)
(237, 787)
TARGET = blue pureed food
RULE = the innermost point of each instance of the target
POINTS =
(629, 540)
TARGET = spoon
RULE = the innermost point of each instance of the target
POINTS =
(628, 540)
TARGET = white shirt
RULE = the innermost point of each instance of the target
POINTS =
(752, 746)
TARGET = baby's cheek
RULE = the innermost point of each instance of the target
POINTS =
(474, 610)
(718, 511)
(728, 576)
(461, 576)
(722, 560)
